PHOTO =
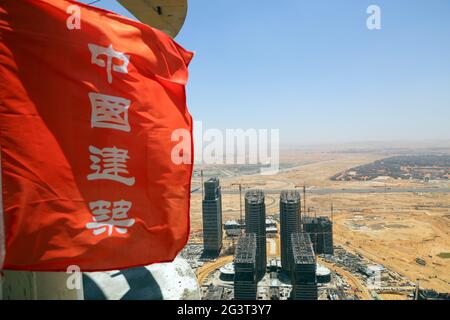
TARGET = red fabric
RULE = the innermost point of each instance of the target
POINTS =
(46, 131)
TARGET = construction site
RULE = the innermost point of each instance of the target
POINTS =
(339, 227)
(285, 266)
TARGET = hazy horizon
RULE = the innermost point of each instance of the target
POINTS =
(315, 71)
(410, 144)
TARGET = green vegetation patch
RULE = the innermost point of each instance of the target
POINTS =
(444, 255)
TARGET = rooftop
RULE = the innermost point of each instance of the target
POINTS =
(246, 249)
(302, 249)
(254, 196)
(290, 196)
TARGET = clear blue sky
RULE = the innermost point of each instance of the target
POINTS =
(313, 69)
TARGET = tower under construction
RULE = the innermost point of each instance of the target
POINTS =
(212, 217)
(320, 230)
(290, 214)
(255, 222)
(303, 268)
(245, 273)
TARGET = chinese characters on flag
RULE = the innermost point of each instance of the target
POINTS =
(87, 116)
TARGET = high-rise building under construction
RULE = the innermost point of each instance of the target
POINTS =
(212, 216)
(320, 230)
(303, 268)
(290, 214)
(255, 222)
(245, 273)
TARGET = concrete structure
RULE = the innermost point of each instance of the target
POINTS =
(227, 272)
(274, 265)
(255, 222)
(161, 281)
(233, 228)
(271, 228)
(274, 287)
(212, 216)
(245, 271)
(303, 268)
(214, 293)
(320, 230)
(270, 223)
(27, 285)
(323, 274)
(290, 214)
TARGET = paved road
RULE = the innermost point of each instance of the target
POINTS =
(361, 190)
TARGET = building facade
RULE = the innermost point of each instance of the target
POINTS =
(303, 268)
(245, 272)
(320, 230)
(255, 222)
(212, 216)
(290, 215)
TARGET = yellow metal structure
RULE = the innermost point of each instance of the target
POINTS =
(165, 15)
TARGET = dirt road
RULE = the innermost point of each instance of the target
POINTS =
(209, 267)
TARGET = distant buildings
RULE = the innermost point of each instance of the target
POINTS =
(233, 228)
(320, 230)
(271, 228)
(212, 216)
(255, 222)
(245, 268)
(290, 211)
(418, 167)
(303, 268)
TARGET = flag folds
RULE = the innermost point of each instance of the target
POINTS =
(89, 103)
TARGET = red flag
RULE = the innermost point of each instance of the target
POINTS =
(89, 103)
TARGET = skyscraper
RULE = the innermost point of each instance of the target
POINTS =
(290, 211)
(212, 217)
(320, 230)
(255, 222)
(303, 268)
(245, 273)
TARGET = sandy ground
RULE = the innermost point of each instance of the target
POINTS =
(395, 234)
(391, 229)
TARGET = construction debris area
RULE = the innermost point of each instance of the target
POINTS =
(342, 276)
(377, 279)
